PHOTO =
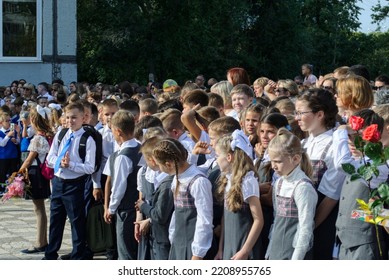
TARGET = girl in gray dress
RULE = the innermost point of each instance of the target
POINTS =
(294, 199)
(242, 220)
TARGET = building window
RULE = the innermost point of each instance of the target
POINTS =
(21, 28)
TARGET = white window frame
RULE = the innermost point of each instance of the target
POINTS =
(38, 57)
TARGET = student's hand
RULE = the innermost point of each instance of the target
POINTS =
(144, 227)
(137, 234)
(26, 123)
(217, 231)
(17, 128)
(108, 217)
(97, 194)
(138, 204)
(264, 187)
(259, 150)
(219, 255)
(11, 134)
(270, 87)
(240, 255)
(195, 258)
(201, 147)
(65, 161)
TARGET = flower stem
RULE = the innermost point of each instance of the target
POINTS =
(378, 240)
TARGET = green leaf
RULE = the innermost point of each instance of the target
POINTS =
(348, 168)
(368, 173)
(383, 190)
(386, 153)
(358, 142)
(376, 204)
(374, 151)
(355, 176)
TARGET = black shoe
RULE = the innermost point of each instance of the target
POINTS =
(65, 257)
(34, 250)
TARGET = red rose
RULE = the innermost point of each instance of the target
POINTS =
(371, 133)
(356, 123)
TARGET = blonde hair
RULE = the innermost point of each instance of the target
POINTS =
(124, 121)
(171, 119)
(240, 166)
(383, 112)
(224, 125)
(262, 82)
(290, 86)
(288, 144)
(149, 144)
(155, 131)
(355, 92)
(171, 150)
(285, 105)
(223, 88)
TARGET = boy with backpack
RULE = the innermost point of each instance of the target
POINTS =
(68, 185)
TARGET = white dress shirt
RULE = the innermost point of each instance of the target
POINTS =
(332, 180)
(250, 186)
(76, 168)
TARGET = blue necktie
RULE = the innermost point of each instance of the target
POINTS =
(63, 152)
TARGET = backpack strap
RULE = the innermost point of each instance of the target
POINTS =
(82, 147)
(62, 135)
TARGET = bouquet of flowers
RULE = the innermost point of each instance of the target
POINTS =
(18, 185)
(373, 210)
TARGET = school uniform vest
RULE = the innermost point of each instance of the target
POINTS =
(162, 197)
(213, 176)
(131, 194)
(352, 232)
(9, 150)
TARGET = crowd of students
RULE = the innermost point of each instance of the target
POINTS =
(230, 171)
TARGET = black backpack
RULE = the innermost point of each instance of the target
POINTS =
(90, 131)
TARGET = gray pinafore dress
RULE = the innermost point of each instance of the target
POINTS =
(285, 225)
(238, 225)
(185, 224)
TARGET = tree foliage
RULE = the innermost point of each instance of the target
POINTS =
(128, 39)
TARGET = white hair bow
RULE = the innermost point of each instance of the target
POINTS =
(55, 106)
(43, 111)
(240, 140)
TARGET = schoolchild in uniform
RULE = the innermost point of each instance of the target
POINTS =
(242, 220)
(67, 198)
(121, 169)
(316, 112)
(358, 240)
(217, 129)
(156, 206)
(267, 130)
(294, 199)
(191, 226)
(9, 140)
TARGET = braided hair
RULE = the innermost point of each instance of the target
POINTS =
(171, 150)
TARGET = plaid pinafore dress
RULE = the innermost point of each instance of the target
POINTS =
(285, 224)
(185, 223)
